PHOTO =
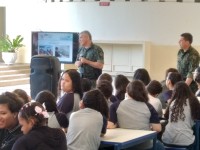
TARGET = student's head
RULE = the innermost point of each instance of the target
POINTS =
(170, 70)
(196, 72)
(85, 38)
(32, 115)
(172, 79)
(181, 90)
(105, 76)
(48, 100)
(105, 87)
(86, 84)
(22, 94)
(197, 79)
(154, 88)
(120, 84)
(186, 40)
(10, 104)
(71, 82)
(142, 75)
(137, 91)
(95, 99)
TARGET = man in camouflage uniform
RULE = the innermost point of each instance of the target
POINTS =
(188, 60)
(90, 58)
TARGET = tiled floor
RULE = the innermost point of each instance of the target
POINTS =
(25, 87)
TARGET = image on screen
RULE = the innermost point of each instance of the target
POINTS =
(63, 45)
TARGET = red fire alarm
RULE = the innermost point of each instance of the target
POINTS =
(104, 3)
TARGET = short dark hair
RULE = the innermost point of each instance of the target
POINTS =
(21, 93)
(154, 87)
(95, 99)
(170, 70)
(105, 76)
(187, 37)
(120, 84)
(105, 87)
(174, 77)
(12, 100)
(86, 84)
(197, 79)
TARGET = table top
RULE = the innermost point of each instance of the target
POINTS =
(119, 135)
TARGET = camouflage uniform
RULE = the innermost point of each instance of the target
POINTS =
(187, 62)
(95, 54)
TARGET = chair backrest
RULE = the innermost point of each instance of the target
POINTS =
(197, 136)
(196, 132)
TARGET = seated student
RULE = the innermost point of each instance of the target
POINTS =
(86, 84)
(106, 88)
(136, 113)
(143, 75)
(183, 109)
(154, 88)
(22, 94)
(120, 84)
(70, 85)
(161, 96)
(56, 119)
(107, 77)
(197, 80)
(32, 118)
(172, 79)
(87, 124)
(196, 72)
(10, 129)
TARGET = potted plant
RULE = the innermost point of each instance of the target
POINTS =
(9, 48)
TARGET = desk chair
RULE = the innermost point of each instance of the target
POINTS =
(196, 142)
(197, 136)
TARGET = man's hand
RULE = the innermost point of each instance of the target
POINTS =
(83, 60)
(188, 81)
(91, 63)
(78, 63)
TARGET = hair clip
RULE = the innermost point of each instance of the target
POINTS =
(38, 110)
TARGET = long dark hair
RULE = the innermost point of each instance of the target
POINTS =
(76, 81)
(180, 94)
(136, 90)
(48, 99)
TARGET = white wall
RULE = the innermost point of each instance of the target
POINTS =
(160, 23)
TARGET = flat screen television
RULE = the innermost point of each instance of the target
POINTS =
(63, 45)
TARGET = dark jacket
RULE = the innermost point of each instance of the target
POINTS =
(8, 137)
(42, 138)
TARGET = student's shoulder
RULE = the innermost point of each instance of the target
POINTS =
(23, 139)
(97, 47)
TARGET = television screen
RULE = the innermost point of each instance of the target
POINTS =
(63, 45)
